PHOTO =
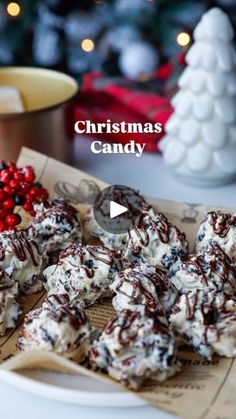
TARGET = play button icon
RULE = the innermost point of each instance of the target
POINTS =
(117, 208)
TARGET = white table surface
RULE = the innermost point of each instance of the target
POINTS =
(149, 175)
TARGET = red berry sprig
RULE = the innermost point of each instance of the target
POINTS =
(18, 188)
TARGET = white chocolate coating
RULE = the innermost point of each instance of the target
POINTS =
(142, 287)
(20, 257)
(218, 228)
(57, 326)
(9, 308)
(210, 270)
(155, 241)
(133, 347)
(84, 273)
(55, 226)
(207, 321)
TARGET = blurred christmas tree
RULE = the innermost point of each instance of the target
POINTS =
(118, 36)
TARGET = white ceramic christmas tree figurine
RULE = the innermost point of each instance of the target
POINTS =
(200, 142)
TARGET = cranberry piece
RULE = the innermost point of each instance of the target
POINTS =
(29, 177)
(13, 219)
(15, 184)
(9, 191)
(9, 204)
(12, 167)
(19, 176)
(29, 197)
(43, 194)
(5, 176)
(35, 191)
(24, 187)
(28, 206)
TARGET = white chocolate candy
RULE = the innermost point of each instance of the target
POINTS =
(207, 321)
(55, 226)
(133, 347)
(210, 270)
(218, 228)
(155, 241)
(57, 326)
(142, 287)
(22, 260)
(9, 308)
(83, 273)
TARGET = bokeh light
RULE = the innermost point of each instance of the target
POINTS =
(87, 45)
(183, 39)
(13, 9)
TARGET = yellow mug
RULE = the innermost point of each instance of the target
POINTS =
(47, 120)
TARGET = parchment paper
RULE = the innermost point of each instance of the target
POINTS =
(203, 389)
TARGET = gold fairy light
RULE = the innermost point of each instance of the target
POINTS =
(13, 9)
(87, 45)
(183, 39)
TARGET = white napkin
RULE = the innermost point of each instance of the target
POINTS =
(10, 100)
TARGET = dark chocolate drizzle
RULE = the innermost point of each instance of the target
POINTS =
(21, 247)
(97, 253)
(221, 222)
(136, 279)
(69, 313)
(160, 225)
(55, 211)
(217, 259)
(212, 312)
(124, 323)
